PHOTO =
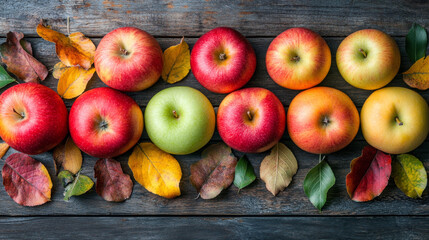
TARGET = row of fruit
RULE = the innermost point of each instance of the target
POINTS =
(105, 122)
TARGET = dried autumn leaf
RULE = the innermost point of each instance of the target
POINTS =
(155, 170)
(214, 172)
(369, 174)
(5, 78)
(68, 155)
(74, 185)
(59, 69)
(278, 168)
(26, 180)
(410, 175)
(74, 50)
(112, 183)
(73, 82)
(3, 149)
(418, 74)
(177, 62)
(19, 61)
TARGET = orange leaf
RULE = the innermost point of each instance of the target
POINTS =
(59, 69)
(156, 170)
(26, 180)
(418, 74)
(3, 149)
(73, 50)
(73, 82)
(68, 155)
(177, 62)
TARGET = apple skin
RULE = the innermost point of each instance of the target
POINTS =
(128, 59)
(44, 125)
(380, 65)
(257, 133)
(380, 127)
(298, 59)
(229, 74)
(105, 123)
(180, 120)
(322, 120)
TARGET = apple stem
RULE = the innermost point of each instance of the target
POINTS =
(222, 56)
(124, 51)
(363, 52)
(249, 114)
(175, 114)
(399, 121)
(22, 115)
(325, 120)
(296, 59)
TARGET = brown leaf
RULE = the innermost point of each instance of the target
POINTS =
(418, 74)
(214, 172)
(73, 82)
(19, 61)
(67, 155)
(74, 50)
(3, 149)
(26, 180)
(112, 183)
(59, 69)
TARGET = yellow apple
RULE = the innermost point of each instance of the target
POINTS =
(395, 120)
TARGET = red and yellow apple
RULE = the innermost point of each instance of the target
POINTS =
(395, 120)
(298, 58)
(33, 118)
(368, 59)
(105, 123)
(128, 59)
(322, 120)
(251, 120)
(222, 60)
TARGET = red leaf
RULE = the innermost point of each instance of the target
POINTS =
(369, 174)
(112, 184)
(26, 180)
(20, 61)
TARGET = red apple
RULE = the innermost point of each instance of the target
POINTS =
(128, 59)
(322, 120)
(105, 123)
(33, 118)
(251, 120)
(298, 58)
(222, 60)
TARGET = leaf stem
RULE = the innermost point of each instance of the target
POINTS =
(68, 26)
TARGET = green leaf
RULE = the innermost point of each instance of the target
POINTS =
(244, 173)
(416, 42)
(5, 78)
(318, 182)
(410, 175)
(75, 185)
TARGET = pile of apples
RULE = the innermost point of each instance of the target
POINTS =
(105, 122)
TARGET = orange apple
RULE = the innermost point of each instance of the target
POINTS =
(298, 58)
(368, 59)
(322, 120)
(395, 120)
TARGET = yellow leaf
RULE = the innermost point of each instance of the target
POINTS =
(73, 82)
(176, 62)
(59, 69)
(155, 170)
(74, 50)
(3, 149)
(68, 155)
(418, 74)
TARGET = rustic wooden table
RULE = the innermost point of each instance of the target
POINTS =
(254, 213)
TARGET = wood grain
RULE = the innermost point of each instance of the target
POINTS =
(215, 228)
(253, 200)
(176, 18)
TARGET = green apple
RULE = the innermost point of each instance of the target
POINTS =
(180, 120)
(395, 120)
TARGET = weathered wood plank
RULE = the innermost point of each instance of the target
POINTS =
(215, 228)
(45, 52)
(254, 200)
(194, 17)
